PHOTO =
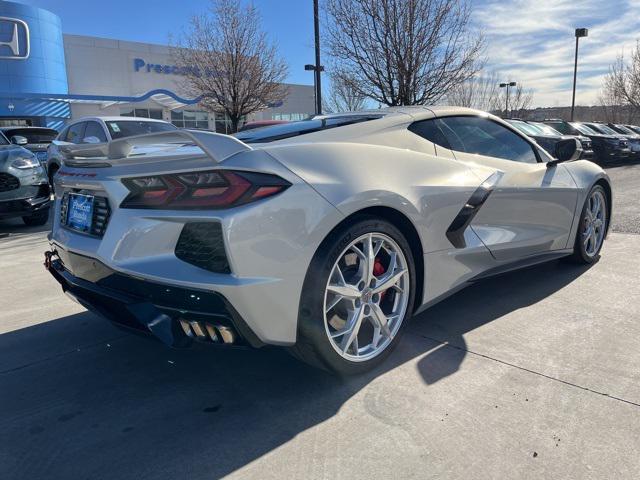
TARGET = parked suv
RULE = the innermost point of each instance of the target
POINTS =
(605, 147)
(632, 139)
(24, 190)
(633, 136)
(100, 130)
(34, 139)
(547, 137)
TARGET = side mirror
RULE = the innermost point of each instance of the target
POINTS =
(566, 151)
(91, 139)
(19, 140)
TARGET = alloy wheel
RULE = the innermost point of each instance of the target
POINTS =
(594, 224)
(366, 297)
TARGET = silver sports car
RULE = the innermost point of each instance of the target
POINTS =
(323, 236)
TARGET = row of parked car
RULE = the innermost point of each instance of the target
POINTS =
(601, 142)
(29, 156)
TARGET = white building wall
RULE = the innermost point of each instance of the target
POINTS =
(98, 66)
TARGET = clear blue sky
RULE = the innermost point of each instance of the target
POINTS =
(527, 41)
(288, 22)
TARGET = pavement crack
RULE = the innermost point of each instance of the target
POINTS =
(524, 369)
(62, 354)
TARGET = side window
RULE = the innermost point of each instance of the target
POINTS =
(485, 137)
(561, 127)
(429, 130)
(62, 136)
(76, 133)
(94, 129)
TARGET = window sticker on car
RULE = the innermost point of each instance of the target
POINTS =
(114, 126)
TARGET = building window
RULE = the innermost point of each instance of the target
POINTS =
(189, 119)
(289, 117)
(155, 113)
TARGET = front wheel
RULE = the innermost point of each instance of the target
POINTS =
(357, 296)
(592, 227)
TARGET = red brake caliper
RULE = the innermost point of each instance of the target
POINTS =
(378, 270)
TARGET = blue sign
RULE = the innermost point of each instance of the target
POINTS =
(139, 65)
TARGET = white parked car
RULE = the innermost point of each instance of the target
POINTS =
(95, 130)
(324, 236)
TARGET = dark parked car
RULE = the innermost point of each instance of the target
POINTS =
(632, 138)
(606, 148)
(547, 137)
(24, 189)
(34, 139)
(633, 128)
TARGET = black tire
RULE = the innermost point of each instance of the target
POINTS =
(579, 250)
(37, 219)
(313, 345)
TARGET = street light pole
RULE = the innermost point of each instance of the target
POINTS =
(580, 32)
(506, 102)
(318, 69)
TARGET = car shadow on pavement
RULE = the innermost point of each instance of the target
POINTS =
(80, 399)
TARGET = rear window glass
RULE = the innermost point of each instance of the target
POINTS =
(129, 128)
(294, 129)
(33, 135)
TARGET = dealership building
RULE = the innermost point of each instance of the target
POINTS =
(48, 78)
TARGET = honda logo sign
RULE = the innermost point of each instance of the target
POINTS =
(14, 39)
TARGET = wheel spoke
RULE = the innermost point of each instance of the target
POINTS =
(333, 303)
(352, 329)
(381, 320)
(342, 288)
(389, 280)
(346, 290)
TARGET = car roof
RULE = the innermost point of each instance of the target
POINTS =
(117, 118)
(25, 127)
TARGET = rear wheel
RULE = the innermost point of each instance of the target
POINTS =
(357, 295)
(592, 227)
(37, 219)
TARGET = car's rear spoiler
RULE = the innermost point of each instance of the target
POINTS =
(216, 146)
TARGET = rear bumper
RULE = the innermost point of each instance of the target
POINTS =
(174, 315)
(26, 206)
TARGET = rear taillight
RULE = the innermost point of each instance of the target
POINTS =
(201, 190)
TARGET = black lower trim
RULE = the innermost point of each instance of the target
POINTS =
(141, 305)
(525, 262)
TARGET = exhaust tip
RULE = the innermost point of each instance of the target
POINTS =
(208, 332)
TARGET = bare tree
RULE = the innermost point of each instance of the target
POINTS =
(481, 92)
(343, 96)
(620, 95)
(520, 101)
(403, 52)
(226, 58)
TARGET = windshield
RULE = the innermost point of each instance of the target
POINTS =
(3, 140)
(623, 129)
(129, 128)
(525, 127)
(583, 128)
(294, 129)
(546, 129)
(33, 135)
(602, 129)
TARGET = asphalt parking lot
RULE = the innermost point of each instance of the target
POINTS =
(535, 374)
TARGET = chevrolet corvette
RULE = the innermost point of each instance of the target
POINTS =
(322, 236)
